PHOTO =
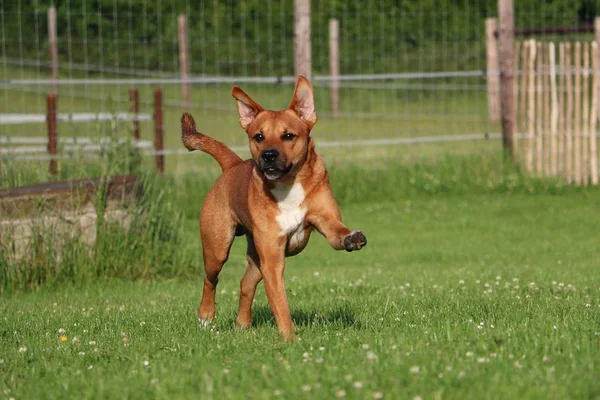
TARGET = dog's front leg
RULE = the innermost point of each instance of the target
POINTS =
(325, 216)
(271, 251)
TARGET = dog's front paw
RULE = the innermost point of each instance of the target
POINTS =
(355, 240)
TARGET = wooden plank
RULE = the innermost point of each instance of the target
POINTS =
(515, 139)
(35, 200)
(577, 115)
(553, 110)
(586, 116)
(540, 109)
(302, 44)
(65, 187)
(569, 173)
(508, 109)
(594, 116)
(493, 69)
(524, 85)
(531, 104)
(546, 92)
(561, 109)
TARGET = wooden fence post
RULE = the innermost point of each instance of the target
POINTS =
(553, 111)
(546, 95)
(158, 131)
(493, 71)
(531, 103)
(577, 109)
(134, 107)
(593, 116)
(51, 124)
(184, 60)
(507, 105)
(585, 173)
(334, 65)
(524, 85)
(539, 93)
(594, 162)
(569, 114)
(561, 113)
(52, 46)
(302, 44)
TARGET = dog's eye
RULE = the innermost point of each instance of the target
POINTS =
(259, 137)
(288, 136)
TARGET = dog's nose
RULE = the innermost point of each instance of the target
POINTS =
(269, 155)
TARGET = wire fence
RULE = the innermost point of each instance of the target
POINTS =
(406, 69)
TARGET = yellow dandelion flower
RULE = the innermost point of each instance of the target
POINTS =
(63, 339)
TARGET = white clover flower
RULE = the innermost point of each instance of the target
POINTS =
(371, 356)
(81, 353)
(358, 384)
(414, 369)
(378, 395)
(340, 393)
(22, 349)
(146, 363)
(306, 388)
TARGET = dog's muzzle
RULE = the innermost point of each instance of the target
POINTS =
(271, 165)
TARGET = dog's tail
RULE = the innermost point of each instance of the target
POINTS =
(194, 140)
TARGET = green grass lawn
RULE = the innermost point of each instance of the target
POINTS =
(478, 281)
(481, 295)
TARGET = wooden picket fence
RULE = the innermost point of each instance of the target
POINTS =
(556, 99)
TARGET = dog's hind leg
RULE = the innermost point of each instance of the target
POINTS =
(248, 285)
(217, 230)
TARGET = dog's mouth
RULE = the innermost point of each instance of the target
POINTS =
(274, 172)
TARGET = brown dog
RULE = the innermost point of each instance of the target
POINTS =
(276, 199)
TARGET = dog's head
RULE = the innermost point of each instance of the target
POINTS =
(278, 139)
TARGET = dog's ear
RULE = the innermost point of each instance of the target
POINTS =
(247, 107)
(303, 102)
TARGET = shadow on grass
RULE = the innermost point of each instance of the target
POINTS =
(337, 317)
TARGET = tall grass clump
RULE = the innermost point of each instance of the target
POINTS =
(148, 242)
(144, 240)
(448, 175)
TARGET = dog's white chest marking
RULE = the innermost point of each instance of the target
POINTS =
(291, 216)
